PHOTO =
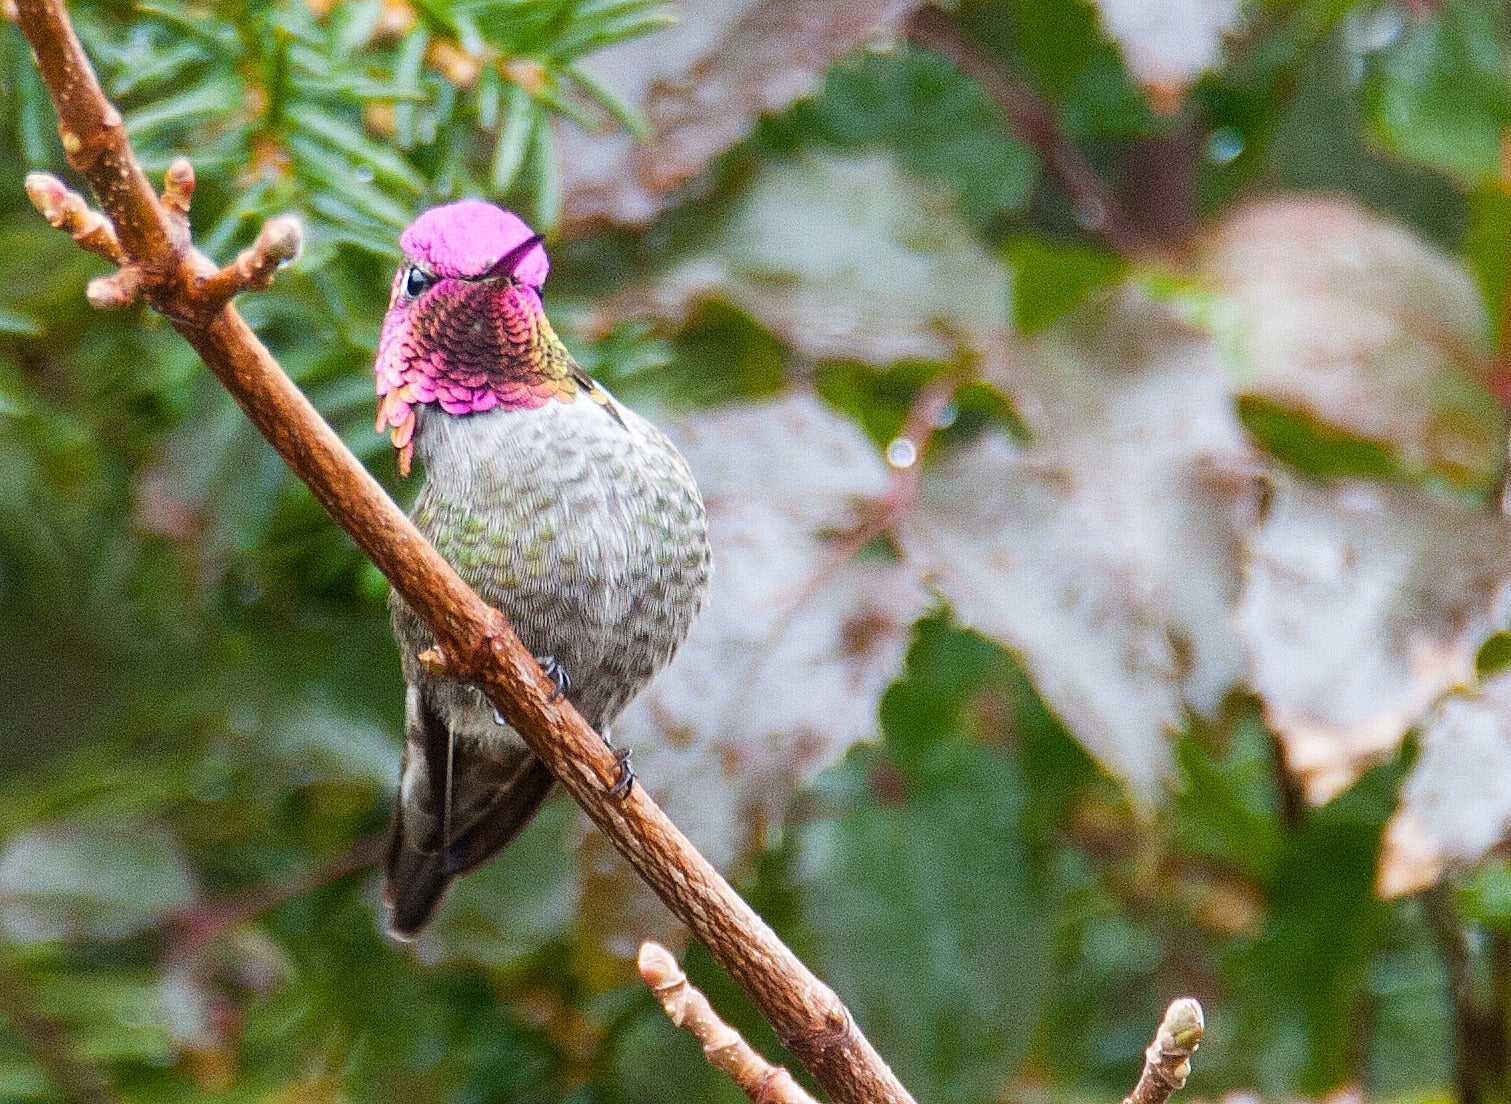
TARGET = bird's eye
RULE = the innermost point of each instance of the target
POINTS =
(416, 281)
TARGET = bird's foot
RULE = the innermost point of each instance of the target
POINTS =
(553, 671)
(626, 780)
(557, 674)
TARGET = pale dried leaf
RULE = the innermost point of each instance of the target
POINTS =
(1106, 553)
(1455, 805)
(785, 668)
(1362, 605)
(702, 84)
(840, 256)
(91, 881)
(1355, 321)
(1168, 45)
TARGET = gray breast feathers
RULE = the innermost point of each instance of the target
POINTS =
(584, 528)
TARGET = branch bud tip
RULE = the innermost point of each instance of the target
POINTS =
(281, 240)
(114, 291)
(47, 194)
(658, 968)
(1184, 1023)
(178, 186)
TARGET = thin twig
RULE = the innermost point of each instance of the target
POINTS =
(277, 245)
(893, 505)
(477, 642)
(902, 489)
(66, 210)
(1167, 1062)
(723, 1046)
(1034, 122)
(194, 927)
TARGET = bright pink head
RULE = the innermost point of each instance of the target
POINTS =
(464, 328)
(467, 238)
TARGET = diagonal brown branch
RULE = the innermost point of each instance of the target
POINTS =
(807, 1016)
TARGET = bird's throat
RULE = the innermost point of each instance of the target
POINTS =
(470, 348)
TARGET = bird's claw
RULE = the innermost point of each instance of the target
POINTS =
(557, 674)
(626, 780)
(553, 671)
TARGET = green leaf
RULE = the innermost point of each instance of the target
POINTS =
(941, 124)
(1485, 897)
(1069, 58)
(1440, 97)
(513, 139)
(547, 179)
(21, 1080)
(216, 96)
(1302, 984)
(629, 116)
(1488, 250)
(342, 136)
(610, 33)
(936, 887)
(1050, 279)
(931, 882)
(1312, 446)
(18, 322)
(1227, 806)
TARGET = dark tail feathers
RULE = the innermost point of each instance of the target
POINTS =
(488, 812)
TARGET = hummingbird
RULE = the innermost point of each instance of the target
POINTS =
(561, 507)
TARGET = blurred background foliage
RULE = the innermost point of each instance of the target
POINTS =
(1226, 743)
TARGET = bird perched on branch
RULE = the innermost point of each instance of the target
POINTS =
(571, 514)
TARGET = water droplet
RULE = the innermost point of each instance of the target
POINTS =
(947, 415)
(363, 173)
(902, 453)
(1224, 145)
(1375, 30)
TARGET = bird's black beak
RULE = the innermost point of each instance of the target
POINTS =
(506, 264)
